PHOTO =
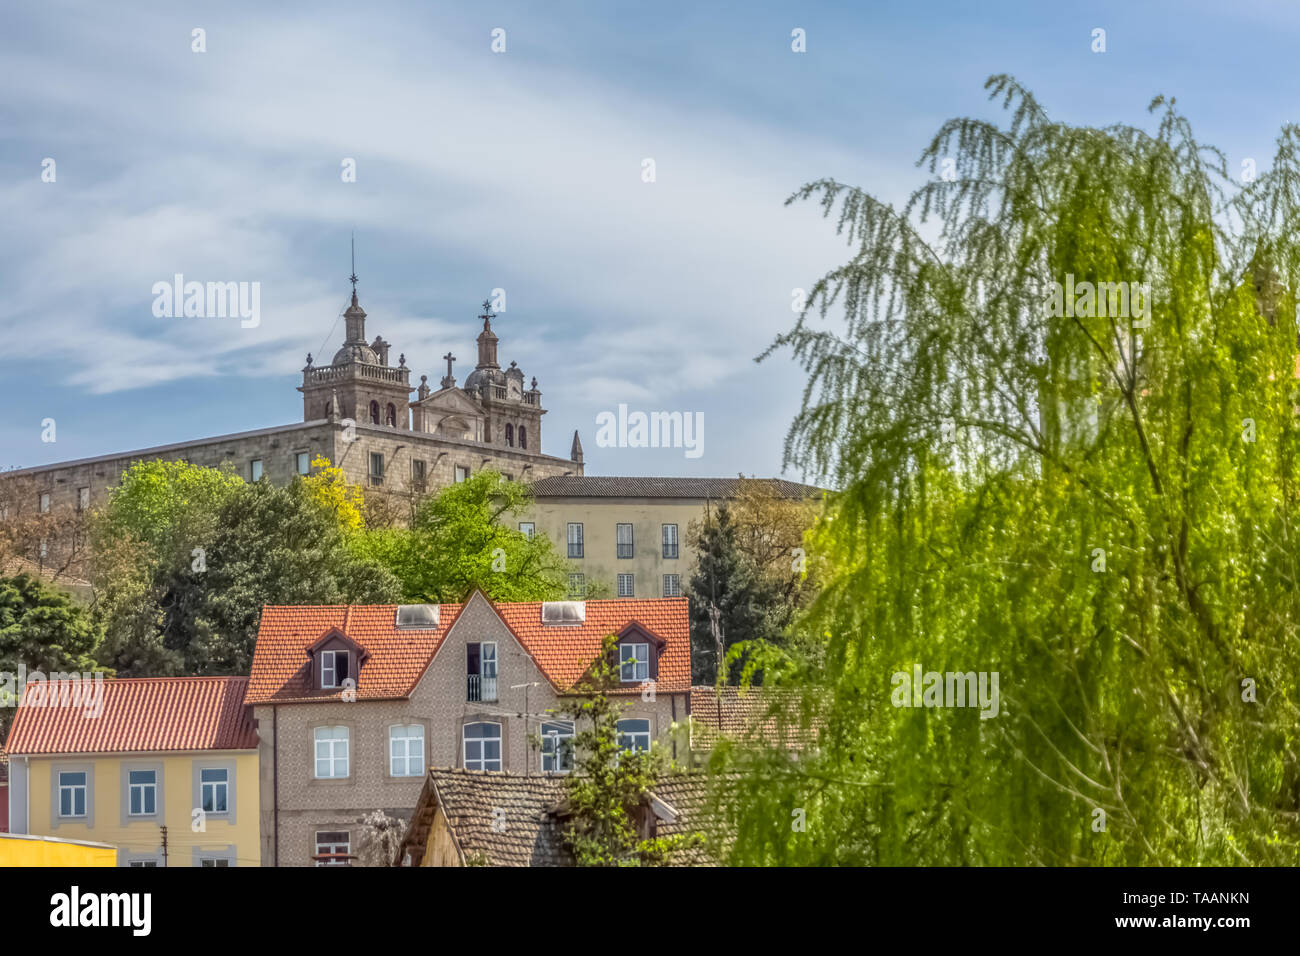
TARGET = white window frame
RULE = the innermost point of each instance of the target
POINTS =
(553, 746)
(72, 788)
(634, 735)
(336, 751)
(581, 590)
(576, 547)
(627, 585)
(624, 550)
(144, 789)
(302, 462)
(206, 785)
(636, 661)
(332, 846)
(255, 469)
(405, 735)
(329, 665)
(675, 590)
(462, 473)
(481, 761)
(376, 466)
(528, 529)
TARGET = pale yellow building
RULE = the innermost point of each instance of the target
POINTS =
(163, 769)
(628, 536)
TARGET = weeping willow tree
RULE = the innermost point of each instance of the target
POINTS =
(1092, 499)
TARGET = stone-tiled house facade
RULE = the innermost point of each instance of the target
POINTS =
(473, 686)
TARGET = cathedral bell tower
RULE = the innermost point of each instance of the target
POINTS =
(359, 383)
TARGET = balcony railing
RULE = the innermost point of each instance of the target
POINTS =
(326, 374)
(481, 688)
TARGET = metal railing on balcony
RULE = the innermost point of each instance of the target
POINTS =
(481, 688)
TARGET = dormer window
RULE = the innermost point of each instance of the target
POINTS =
(333, 668)
(633, 662)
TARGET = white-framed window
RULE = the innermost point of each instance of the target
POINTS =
(672, 585)
(670, 540)
(72, 793)
(45, 502)
(302, 462)
(482, 747)
(142, 787)
(333, 843)
(633, 663)
(634, 733)
(623, 540)
(575, 539)
(214, 789)
(528, 529)
(557, 746)
(577, 585)
(255, 469)
(406, 750)
(333, 668)
(211, 861)
(83, 499)
(481, 670)
(462, 473)
(331, 752)
(627, 585)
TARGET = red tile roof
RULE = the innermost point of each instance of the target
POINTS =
(399, 656)
(138, 714)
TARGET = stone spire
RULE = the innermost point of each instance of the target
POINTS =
(575, 453)
(487, 340)
(355, 316)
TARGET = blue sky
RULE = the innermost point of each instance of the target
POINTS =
(520, 171)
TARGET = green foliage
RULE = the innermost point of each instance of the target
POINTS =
(186, 557)
(609, 784)
(458, 542)
(991, 453)
(752, 610)
(42, 629)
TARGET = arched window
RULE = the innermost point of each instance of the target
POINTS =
(374, 413)
(510, 435)
(391, 420)
(523, 437)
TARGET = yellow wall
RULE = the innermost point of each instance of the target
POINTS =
(599, 516)
(40, 851)
(143, 837)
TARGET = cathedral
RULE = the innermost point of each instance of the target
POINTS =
(359, 384)
(359, 413)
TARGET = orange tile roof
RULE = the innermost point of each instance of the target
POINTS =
(138, 714)
(399, 656)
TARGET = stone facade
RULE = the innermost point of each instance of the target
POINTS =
(296, 805)
(450, 433)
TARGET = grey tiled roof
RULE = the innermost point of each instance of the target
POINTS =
(504, 819)
(615, 486)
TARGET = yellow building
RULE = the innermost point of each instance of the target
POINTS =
(20, 849)
(163, 769)
(628, 536)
